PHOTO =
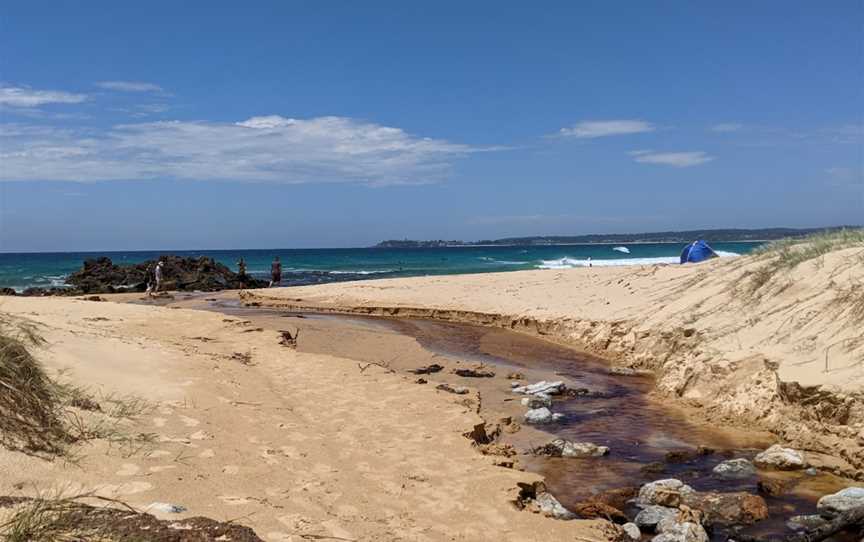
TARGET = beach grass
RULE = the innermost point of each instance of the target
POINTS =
(30, 405)
(786, 254)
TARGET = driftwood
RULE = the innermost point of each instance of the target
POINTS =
(850, 519)
(427, 370)
(288, 339)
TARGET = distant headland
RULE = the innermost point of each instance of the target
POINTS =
(716, 235)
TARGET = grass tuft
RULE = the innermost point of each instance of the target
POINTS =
(786, 254)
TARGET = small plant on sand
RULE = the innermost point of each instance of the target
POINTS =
(30, 404)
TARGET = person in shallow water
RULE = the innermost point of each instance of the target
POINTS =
(148, 276)
(275, 272)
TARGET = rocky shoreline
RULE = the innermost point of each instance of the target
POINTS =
(185, 274)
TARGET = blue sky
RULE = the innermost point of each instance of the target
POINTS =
(308, 124)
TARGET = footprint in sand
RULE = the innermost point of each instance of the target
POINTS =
(128, 469)
(234, 500)
(207, 454)
(130, 488)
(201, 435)
(189, 422)
(159, 422)
(230, 469)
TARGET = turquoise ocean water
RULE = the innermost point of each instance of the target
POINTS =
(311, 266)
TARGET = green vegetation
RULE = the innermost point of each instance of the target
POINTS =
(30, 403)
(39, 415)
(786, 254)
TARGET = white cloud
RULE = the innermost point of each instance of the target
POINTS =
(269, 149)
(29, 98)
(604, 128)
(727, 127)
(130, 86)
(675, 159)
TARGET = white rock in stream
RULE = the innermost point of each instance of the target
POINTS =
(650, 516)
(549, 388)
(681, 532)
(833, 505)
(780, 458)
(541, 415)
(539, 400)
(566, 448)
(735, 468)
(666, 492)
(805, 523)
(549, 506)
(632, 531)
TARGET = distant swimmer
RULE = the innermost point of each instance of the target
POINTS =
(589, 261)
(275, 272)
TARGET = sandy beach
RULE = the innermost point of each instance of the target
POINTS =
(337, 441)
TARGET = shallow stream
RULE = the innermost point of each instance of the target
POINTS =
(645, 436)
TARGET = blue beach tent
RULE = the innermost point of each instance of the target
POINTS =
(697, 251)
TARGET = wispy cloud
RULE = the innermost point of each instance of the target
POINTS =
(674, 159)
(604, 128)
(24, 97)
(727, 127)
(266, 149)
(130, 86)
(846, 176)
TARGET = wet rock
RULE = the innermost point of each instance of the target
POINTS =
(632, 531)
(619, 497)
(734, 508)
(101, 275)
(806, 523)
(687, 531)
(668, 492)
(600, 510)
(549, 388)
(654, 467)
(537, 401)
(684, 456)
(650, 516)
(565, 448)
(535, 498)
(779, 458)
(458, 390)
(833, 505)
(734, 469)
(541, 415)
(8, 291)
(773, 487)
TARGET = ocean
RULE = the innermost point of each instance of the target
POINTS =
(313, 266)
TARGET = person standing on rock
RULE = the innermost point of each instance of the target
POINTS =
(157, 274)
(148, 277)
(241, 267)
(275, 272)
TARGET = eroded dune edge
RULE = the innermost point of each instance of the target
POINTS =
(771, 340)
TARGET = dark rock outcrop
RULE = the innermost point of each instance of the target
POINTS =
(101, 275)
